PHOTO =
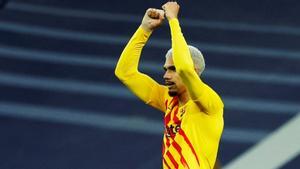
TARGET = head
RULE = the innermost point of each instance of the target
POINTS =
(172, 78)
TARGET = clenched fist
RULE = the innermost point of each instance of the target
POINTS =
(171, 10)
(153, 18)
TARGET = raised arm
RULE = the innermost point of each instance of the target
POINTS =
(206, 98)
(126, 70)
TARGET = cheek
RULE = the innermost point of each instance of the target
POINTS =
(180, 85)
(178, 81)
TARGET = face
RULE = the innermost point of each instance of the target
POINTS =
(172, 79)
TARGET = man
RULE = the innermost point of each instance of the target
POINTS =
(193, 116)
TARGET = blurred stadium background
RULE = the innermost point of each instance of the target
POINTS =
(62, 108)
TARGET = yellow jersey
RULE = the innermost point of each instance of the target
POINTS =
(193, 130)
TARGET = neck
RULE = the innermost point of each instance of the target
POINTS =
(183, 98)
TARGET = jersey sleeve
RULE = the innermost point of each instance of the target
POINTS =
(143, 86)
(205, 97)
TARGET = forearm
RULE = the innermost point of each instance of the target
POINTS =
(181, 54)
(129, 59)
(203, 95)
(127, 66)
(183, 61)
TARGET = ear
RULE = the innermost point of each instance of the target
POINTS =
(197, 70)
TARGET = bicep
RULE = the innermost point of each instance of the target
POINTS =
(147, 89)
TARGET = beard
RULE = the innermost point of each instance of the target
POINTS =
(172, 93)
(172, 88)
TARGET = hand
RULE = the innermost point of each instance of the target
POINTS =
(153, 18)
(171, 10)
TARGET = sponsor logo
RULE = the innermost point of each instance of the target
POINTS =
(171, 130)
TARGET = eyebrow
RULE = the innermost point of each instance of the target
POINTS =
(169, 68)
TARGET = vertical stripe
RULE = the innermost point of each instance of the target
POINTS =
(174, 110)
(175, 164)
(168, 142)
(172, 100)
(166, 163)
(175, 118)
(182, 133)
(179, 150)
(168, 115)
(167, 118)
(163, 149)
(166, 104)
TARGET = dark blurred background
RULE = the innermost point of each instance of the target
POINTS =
(62, 108)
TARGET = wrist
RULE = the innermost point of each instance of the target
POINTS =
(145, 31)
(173, 19)
(146, 28)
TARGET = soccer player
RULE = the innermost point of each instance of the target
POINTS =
(193, 112)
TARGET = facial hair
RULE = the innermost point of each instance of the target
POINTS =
(172, 93)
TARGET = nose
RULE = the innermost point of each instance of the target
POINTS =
(167, 75)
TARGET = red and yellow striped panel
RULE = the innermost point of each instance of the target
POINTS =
(178, 152)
